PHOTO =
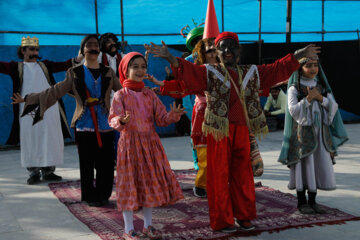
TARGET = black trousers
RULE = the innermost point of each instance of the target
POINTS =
(92, 157)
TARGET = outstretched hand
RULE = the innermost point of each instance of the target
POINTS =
(162, 52)
(178, 109)
(154, 80)
(17, 98)
(125, 119)
(158, 51)
(310, 51)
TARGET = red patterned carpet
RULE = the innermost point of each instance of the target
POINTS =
(188, 218)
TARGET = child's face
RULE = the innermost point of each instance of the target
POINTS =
(137, 70)
(310, 69)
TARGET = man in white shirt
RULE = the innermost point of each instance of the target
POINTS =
(274, 108)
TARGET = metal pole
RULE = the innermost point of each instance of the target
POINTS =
(259, 41)
(322, 19)
(122, 20)
(260, 8)
(288, 21)
(222, 15)
(96, 18)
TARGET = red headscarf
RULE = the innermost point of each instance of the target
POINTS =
(123, 66)
(226, 35)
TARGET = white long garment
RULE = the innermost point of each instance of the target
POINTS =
(41, 144)
(316, 170)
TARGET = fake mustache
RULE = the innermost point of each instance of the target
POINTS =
(34, 56)
(113, 45)
(93, 52)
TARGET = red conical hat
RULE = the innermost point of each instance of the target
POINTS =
(211, 25)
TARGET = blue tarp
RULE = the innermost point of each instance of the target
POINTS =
(168, 16)
(156, 17)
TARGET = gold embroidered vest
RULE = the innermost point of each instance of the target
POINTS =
(216, 120)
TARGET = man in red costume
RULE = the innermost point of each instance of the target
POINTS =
(233, 110)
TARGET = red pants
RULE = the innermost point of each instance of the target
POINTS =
(230, 181)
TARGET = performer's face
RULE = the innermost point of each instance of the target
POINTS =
(137, 69)
(210, 52)
(31, 54)
(310, 69)
(91, 49)
(228, 51)
(111, 47)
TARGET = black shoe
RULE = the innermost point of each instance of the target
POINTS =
(228, 229)
(199, 192)
(306, 209)
(33, 180)
(52, 177)
(245, 225)
(318, 209)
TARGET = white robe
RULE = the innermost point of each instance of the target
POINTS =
(42, 144)
(315, 171)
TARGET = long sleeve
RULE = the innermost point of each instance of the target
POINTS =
(280, 104)
(174, 88)
(117, 111)
(299, 111)
(330, 106)
(59, 66)
(279, 71)
(162, 117)
(268, 103)
(43, 100)
(5, 67)
(194, 76)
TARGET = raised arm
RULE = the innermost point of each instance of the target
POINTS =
(63, 66)
(194, 76)
(281, 69)
(40, 102)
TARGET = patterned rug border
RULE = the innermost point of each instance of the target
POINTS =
(102, 227)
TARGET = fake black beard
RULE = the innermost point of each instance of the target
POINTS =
(93, 52)
(34, 56)
(109, 49)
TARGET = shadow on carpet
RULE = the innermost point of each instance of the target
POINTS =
(188, 218)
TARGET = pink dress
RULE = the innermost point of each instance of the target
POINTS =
(144, 177)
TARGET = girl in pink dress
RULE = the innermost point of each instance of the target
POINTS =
(144, 178)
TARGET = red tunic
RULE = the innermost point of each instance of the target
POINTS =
(230, 182)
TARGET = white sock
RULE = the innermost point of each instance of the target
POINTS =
(147, 216)
(128, 220)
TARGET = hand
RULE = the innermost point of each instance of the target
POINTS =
(158, 51)
(178, 109)
(17, 98)
(267, 113)
(310, 51)
(313, 93)
(156, 90)
(154, 80)
(125, 119)
(162, 52)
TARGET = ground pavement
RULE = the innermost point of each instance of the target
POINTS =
(33, 212)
